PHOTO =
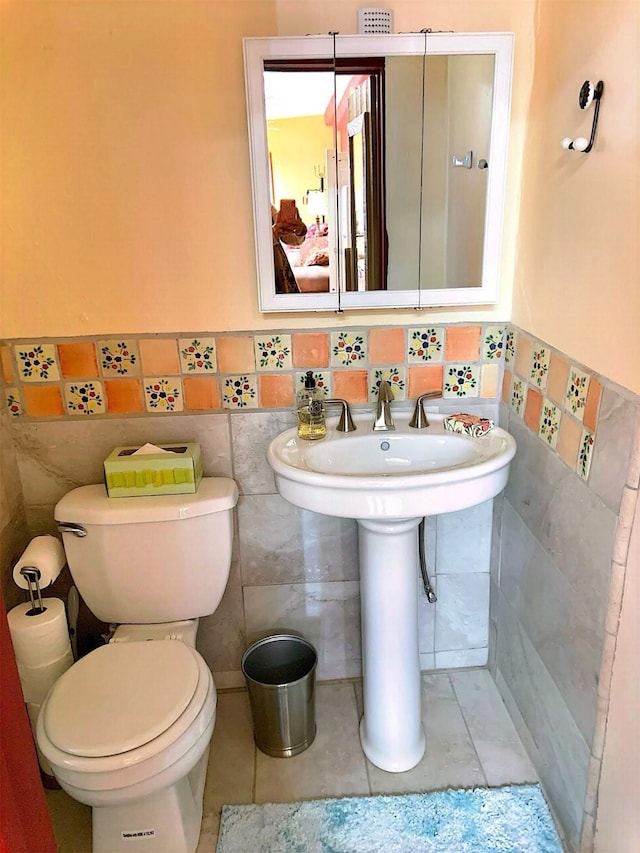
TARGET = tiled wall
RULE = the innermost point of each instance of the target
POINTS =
(209, 372)
(558, 562)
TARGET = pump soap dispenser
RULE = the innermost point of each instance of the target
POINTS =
(311, 420)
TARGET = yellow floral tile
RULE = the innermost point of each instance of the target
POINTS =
(163, 394)
(37, 362)
(395, 376)
(517, 396)
(322, 378)
(197, 355)
(348, 349)
(577, 389)
(461, 380)
(84, 398)
(13, 401)
(119, 357)
(540, 366)
(240, 392)
(273, 352)
(493, 344)
(550, 423)
(426, 344)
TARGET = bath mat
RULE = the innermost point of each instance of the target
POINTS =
(513, 819)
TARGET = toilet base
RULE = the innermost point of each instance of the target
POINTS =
(168, 820)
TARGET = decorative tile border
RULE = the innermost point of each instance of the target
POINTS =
(118, 358)
(197, 355)
(84, 398)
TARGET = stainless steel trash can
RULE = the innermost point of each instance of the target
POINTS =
(280, 672)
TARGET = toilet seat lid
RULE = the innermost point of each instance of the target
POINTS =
(121, 696)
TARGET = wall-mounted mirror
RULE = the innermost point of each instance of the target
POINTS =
(388, 155)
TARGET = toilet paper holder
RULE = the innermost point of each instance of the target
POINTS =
(32, 576)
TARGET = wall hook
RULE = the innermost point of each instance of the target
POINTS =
(588, 94)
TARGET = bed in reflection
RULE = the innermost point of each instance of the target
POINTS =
(310, 264)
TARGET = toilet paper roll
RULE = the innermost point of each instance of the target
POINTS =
(44, 553)
(40, 639)
(36, 681)
(33, 711)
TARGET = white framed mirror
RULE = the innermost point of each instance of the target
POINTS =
(392, 150)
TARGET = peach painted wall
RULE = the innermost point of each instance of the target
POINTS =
(127, 200)
(576, 283)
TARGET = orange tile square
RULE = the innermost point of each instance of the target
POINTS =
(489, 377)
(310, 349)
(506, 386)
(77, 360)
(523, 356)
(590, 419)
(275, 390)
(387, 346)
(569, 440)
(159, 356)
(463, 343)
(201, 392)
(533, 408)
(123, 396)
(351, 385)
(42, 401)
(7, 364)
(235, 355)
(557, 379)
(423, 378)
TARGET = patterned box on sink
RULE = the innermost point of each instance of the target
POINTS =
(172, 469)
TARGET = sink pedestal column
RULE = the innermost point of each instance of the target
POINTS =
(391, 730)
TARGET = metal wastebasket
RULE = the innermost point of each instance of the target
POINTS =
(280, 673)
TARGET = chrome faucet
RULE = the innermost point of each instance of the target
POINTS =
(345, 424)
(384, 421)
(419, 418)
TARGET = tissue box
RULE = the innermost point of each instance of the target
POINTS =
(177, 472)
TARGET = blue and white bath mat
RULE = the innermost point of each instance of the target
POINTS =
(513, 819)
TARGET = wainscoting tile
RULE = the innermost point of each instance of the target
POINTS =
(462, 612)
(462, 658)
(280, 543)
(426, 622)
(221, 639)
(326, 614)
(251, 434)
(612, 451)
(463, 540)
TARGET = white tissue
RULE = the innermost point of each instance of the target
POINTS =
(149, 448)
(44, 553)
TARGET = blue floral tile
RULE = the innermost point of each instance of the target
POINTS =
(84, 398)
(510, 347)
(395, 376)
(197, 355)
(13, 401)
(585, 453)
(240, 392)
(550, 423)
(517, 396)
(163, 394)
(493, 344)
(273, 351)
(461, 380)
(118, 358)
(37, 362)
(540, 366)
(425, 345)
(576, 396)
(347, 348)
(323, 381)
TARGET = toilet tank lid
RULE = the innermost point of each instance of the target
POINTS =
(92, 505)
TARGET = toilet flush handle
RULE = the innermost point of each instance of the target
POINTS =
(75, 529)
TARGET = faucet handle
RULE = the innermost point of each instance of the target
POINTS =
(419, 419)
(345, 424)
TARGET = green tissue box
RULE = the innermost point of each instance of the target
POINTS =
(177, 472)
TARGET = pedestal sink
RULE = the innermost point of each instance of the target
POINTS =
(389, 481)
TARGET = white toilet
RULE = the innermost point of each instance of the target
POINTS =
(127, 728)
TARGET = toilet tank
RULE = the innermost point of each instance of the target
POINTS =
(149, 559)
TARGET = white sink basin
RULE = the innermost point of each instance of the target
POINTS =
(390, 475)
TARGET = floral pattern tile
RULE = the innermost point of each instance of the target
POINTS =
(461, 380)
(347, 348)
(577, 388)
(540, 366)
(510, 347)
(197, 355)
(425, 345)
(517, 396)
(240, 392)
(550, 423)
(493, 343)
(584, 454)
(118, 358)
(163, 394)
(395, 376)
(323, 381)
(37, 362)
(273, 352)
(13, 401)
(84, 398)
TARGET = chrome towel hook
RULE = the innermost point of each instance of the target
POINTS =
(588, 94)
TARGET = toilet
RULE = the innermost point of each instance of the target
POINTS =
(127, 728)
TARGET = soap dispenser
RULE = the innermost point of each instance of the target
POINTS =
(311, 420)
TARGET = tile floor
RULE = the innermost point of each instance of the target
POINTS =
(470, 741)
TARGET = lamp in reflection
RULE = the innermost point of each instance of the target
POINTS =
(317, 205)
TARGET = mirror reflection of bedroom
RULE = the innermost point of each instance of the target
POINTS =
(308, 110)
